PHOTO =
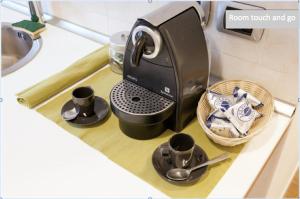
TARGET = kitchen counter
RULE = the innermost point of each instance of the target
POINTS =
(41, 159)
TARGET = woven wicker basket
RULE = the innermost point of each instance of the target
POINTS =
(226, 88)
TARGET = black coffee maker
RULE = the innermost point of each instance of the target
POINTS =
(166, 70)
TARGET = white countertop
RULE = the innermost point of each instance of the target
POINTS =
(41, 159)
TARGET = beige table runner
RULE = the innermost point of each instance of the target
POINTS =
(135, 155)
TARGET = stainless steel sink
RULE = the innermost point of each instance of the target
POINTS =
(17, 48)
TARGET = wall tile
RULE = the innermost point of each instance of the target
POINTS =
(279, 49)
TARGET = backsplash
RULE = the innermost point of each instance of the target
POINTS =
(271, 62)
(102, 16)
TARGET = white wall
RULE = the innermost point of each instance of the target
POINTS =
(106, 17)
(272, 62)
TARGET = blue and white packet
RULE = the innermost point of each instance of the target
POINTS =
(239, 94)
(218, 101)
(222, 127)
(241, 115)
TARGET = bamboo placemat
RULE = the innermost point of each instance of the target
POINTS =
(135, 155)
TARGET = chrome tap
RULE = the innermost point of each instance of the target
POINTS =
(36, 11)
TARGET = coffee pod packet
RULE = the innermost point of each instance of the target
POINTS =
(239, 94)
(221, 127)
(241, 115)
(218, 101)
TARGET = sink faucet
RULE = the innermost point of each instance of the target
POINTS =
(36, 11)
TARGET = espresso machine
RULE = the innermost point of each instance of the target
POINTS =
(166, 69)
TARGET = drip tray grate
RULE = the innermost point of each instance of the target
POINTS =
(133, 99)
